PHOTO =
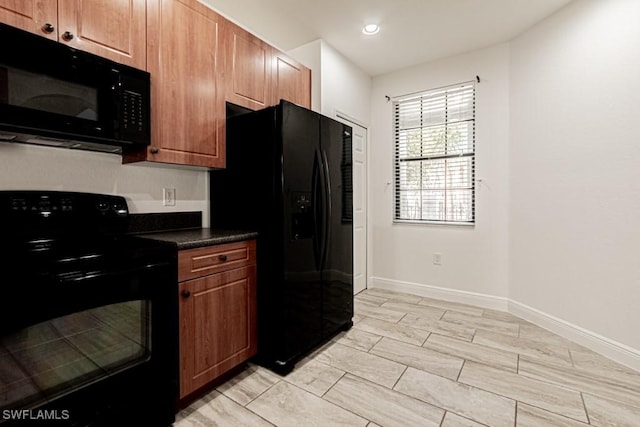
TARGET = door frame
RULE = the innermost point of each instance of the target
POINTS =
(350, 120)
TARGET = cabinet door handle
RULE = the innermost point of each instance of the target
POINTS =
(48, 28)
(154, 150)
(67, 36)
(222, 258)
(185, 293)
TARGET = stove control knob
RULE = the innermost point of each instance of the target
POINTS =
(44, 204)
(45, 207)
(66, 205)
(102, 206)
(19, 205)
(119, 208)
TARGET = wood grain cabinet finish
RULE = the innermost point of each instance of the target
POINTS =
(187, 106)
(247, 68)
(197, 60)
(217, 311)
(257, 75)
(290, 80)
(112, 29)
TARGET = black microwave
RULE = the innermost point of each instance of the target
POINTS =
(52, 94)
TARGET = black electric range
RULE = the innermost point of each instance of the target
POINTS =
(88, 314)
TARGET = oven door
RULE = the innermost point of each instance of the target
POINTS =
(90, 348)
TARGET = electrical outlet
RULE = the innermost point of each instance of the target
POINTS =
(169, 196)
(437, 259)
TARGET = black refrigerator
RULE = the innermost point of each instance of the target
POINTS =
(288, 177)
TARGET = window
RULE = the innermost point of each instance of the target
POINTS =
(435, 155)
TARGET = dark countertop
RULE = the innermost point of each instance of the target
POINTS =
(200, 237)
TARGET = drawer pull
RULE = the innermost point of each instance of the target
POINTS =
(222, 258)
(186, 294)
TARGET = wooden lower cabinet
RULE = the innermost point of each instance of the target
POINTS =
(217, 315)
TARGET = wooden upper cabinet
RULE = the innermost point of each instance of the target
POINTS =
(247, 77)
(197, 60)
(258, 75)
(112, 29)
(32, 16)
(291, 80)
(187, 110)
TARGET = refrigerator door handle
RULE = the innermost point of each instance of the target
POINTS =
(327, 217)
(316, 203)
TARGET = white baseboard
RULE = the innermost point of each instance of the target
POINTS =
(463, 297)
(614, 350)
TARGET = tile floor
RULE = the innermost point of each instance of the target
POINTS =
(413, 361)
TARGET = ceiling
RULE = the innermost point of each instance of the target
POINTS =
(411, 31)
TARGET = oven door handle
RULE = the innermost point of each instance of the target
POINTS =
(96, 274)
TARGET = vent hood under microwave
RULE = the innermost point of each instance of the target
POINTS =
(55, 95)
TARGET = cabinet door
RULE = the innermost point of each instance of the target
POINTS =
(187, 110)
(247, 68)
(217, 325)
(291, 80)
(31, 15)
(114, 29)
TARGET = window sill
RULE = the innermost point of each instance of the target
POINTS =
(439, 223)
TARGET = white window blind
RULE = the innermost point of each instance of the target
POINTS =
(435, 155)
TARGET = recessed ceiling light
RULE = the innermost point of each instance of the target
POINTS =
(370, 29)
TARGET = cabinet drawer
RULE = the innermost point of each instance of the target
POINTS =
(193, 263)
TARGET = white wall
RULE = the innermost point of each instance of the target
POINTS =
(337, 84)
(557, 233)
(30, 167)
(474, 259)
(574, 171)
(310, 55)
(345, 87)
(273, 25)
